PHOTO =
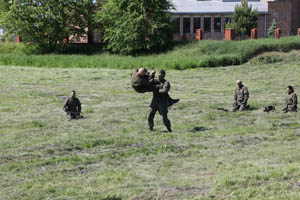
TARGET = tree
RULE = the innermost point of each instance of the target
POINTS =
(45, 22)
(244, 18)
(135, 26)
(271, 30)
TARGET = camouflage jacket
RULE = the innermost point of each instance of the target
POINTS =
(241, 95)
(291, 101)
(72, 105)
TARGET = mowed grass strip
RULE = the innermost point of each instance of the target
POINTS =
(110, 154)
(195, 54)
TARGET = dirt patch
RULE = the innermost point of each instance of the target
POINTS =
(275, 57)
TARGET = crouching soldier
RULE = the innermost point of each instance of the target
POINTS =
(72, 106)
(291, 100)
(141, 81)
(241, 97)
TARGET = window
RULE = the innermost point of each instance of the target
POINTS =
(217, 24)
(197, 23)
(207, 24)
(176, 24)
(186, 25)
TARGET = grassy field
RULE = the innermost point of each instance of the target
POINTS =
(111, 155)
(201, 54)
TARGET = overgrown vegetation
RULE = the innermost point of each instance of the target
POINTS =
(190, 55)
(111, 155)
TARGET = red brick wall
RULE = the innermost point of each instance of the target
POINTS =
(281, 11)
(295, 16)
(261, 26)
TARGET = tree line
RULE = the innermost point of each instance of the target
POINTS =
(127, 26)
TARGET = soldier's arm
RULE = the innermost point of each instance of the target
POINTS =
(79, 106)
(295, 100)
(66, 104)
(286, 106)
(235, 96)
(246, 95)
(166, 87)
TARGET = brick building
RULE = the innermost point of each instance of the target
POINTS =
(212, 15)
(286, 13)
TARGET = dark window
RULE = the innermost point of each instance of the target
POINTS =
(227, 20)
(197, 23)
(217, 24)
(186, 25)
(207, 24)
(176, 24)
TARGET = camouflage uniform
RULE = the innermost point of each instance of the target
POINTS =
(73, 107)
(142, 84)
(160, 102)
(241, 97)
(291, 103)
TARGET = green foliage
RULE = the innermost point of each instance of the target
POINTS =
(244, 18)
(135, 26)
(271, 30)
(46, 22)
(213, 54)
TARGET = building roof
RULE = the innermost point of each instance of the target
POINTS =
(214, 6)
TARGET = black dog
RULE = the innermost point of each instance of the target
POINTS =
(269, 109)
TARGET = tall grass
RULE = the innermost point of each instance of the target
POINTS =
(191, 55)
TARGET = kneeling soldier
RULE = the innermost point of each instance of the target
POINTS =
(291, 100)
(241, 97)
(72, 106)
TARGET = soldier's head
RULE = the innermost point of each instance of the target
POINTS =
(142, 71)
(290, 89)
(162, 74)
(239, 83)
(73, 93)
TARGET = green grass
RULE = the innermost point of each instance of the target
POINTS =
(192, 55)
(111, 155)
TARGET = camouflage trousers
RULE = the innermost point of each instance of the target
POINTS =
(74, 115)
(238, 106)
(166, 121)
(290, 109)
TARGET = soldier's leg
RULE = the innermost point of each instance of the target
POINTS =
(235, 107)
(167, 122)
(73, 115)
(151, 115)
(242, 107)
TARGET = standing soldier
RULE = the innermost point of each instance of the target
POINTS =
(291, 100)
(241, 97)
(72, 106)
(161, 102)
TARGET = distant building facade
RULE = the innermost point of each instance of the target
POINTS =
(211, 17)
